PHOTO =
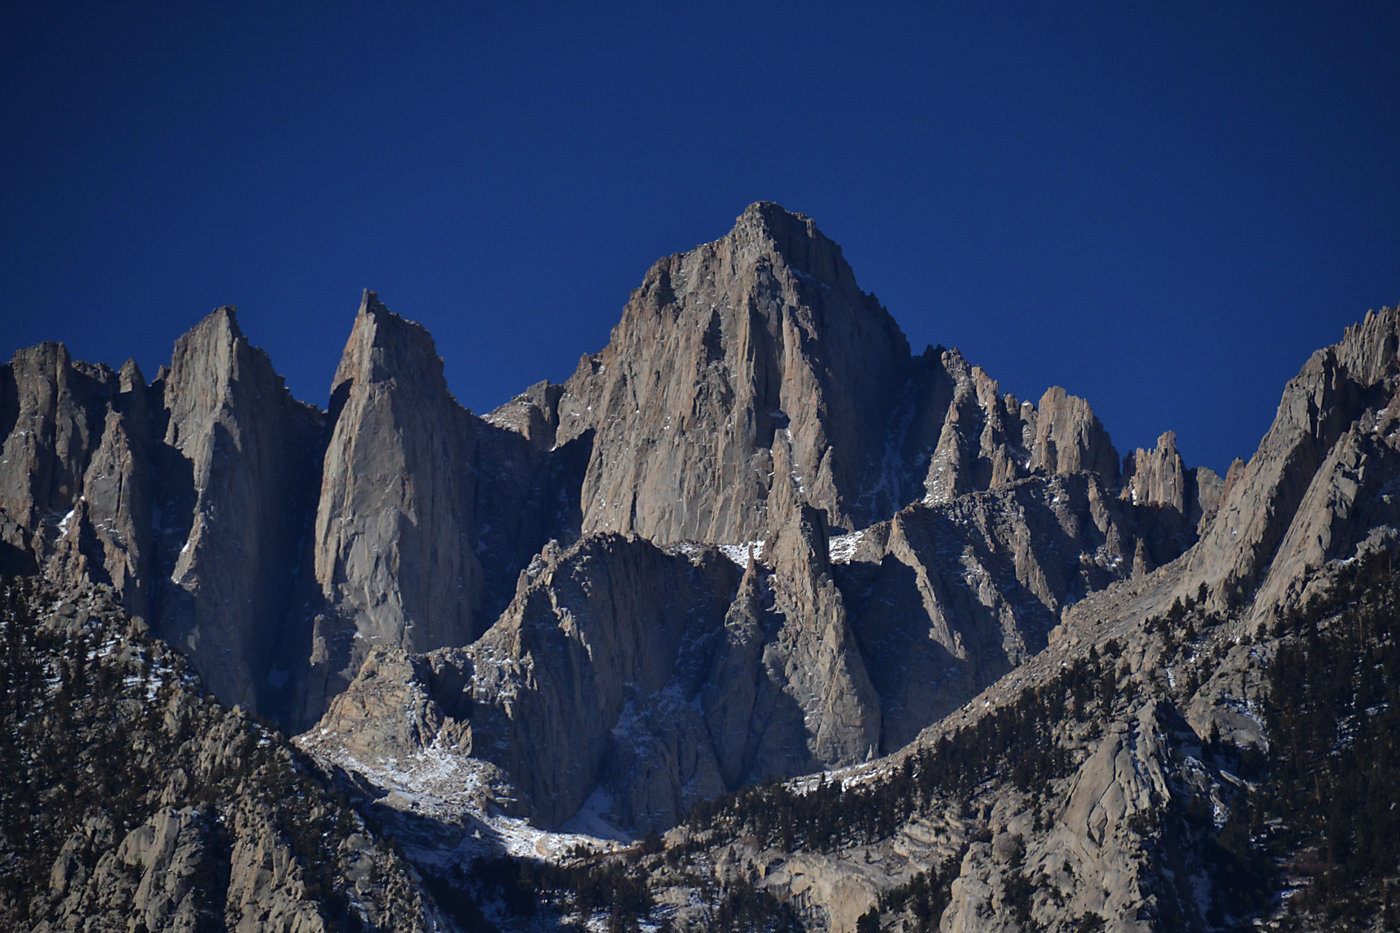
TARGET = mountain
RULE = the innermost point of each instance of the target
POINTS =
(1169, 761)
(754, 538)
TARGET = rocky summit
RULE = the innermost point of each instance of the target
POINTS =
(759, 621)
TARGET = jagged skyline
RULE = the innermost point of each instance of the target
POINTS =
(1163, 212)
(1052, 690)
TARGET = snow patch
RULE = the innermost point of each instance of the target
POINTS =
(739, 553)
(451, 787)
(842, 548)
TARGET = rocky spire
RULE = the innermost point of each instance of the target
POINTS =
(233, 472)
(1068, 438)
(392, 543)
(52, 415)
(1158, 476)
(108, 535)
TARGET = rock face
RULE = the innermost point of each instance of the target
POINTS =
(988, 440)
(273, 542)
(426, 512)
(756, 342)
(399, 703)
(393, 545)
(754, 537)
(392, 548)
(52, 412)
(1097, 784)
(235, 470)
(108, 537)
(948, 598)
(1319, 483)
(1119, 787)
(594, 666)
(662, 677)
(760, 347)
(1069, 438)
(182, 495)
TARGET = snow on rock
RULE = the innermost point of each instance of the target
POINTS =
(739, 553)
(453, 791)
(842, 548)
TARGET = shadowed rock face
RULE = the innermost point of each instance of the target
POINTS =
(595, 664)
(235, 468)
(948, 598)
(52, 411)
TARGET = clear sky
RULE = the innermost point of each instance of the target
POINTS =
(1162, 207)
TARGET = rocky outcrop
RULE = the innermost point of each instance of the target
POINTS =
(656, 678)
(1319, 482)
(196, 498)
(761, 345)
(947, 598)
(1090, 862)
(1068, 438)
(815, 650)
(426, 512)
(52, 413)
(139, 804)
(750, 394)
(988, 440)
(393, 543)
(595, 664)
(184, 496)
(1158, 477)
(278, 544)
(1180, 501)
(107, 537)
(982, 440)
(395, 706)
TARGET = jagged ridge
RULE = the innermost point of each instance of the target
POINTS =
(750, 393)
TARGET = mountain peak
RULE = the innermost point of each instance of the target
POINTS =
(371, 305)
(769, 229)
(221, 321)
(773, 215)
(757, 340)
(383, 346)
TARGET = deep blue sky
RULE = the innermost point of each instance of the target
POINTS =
(1163, 207)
